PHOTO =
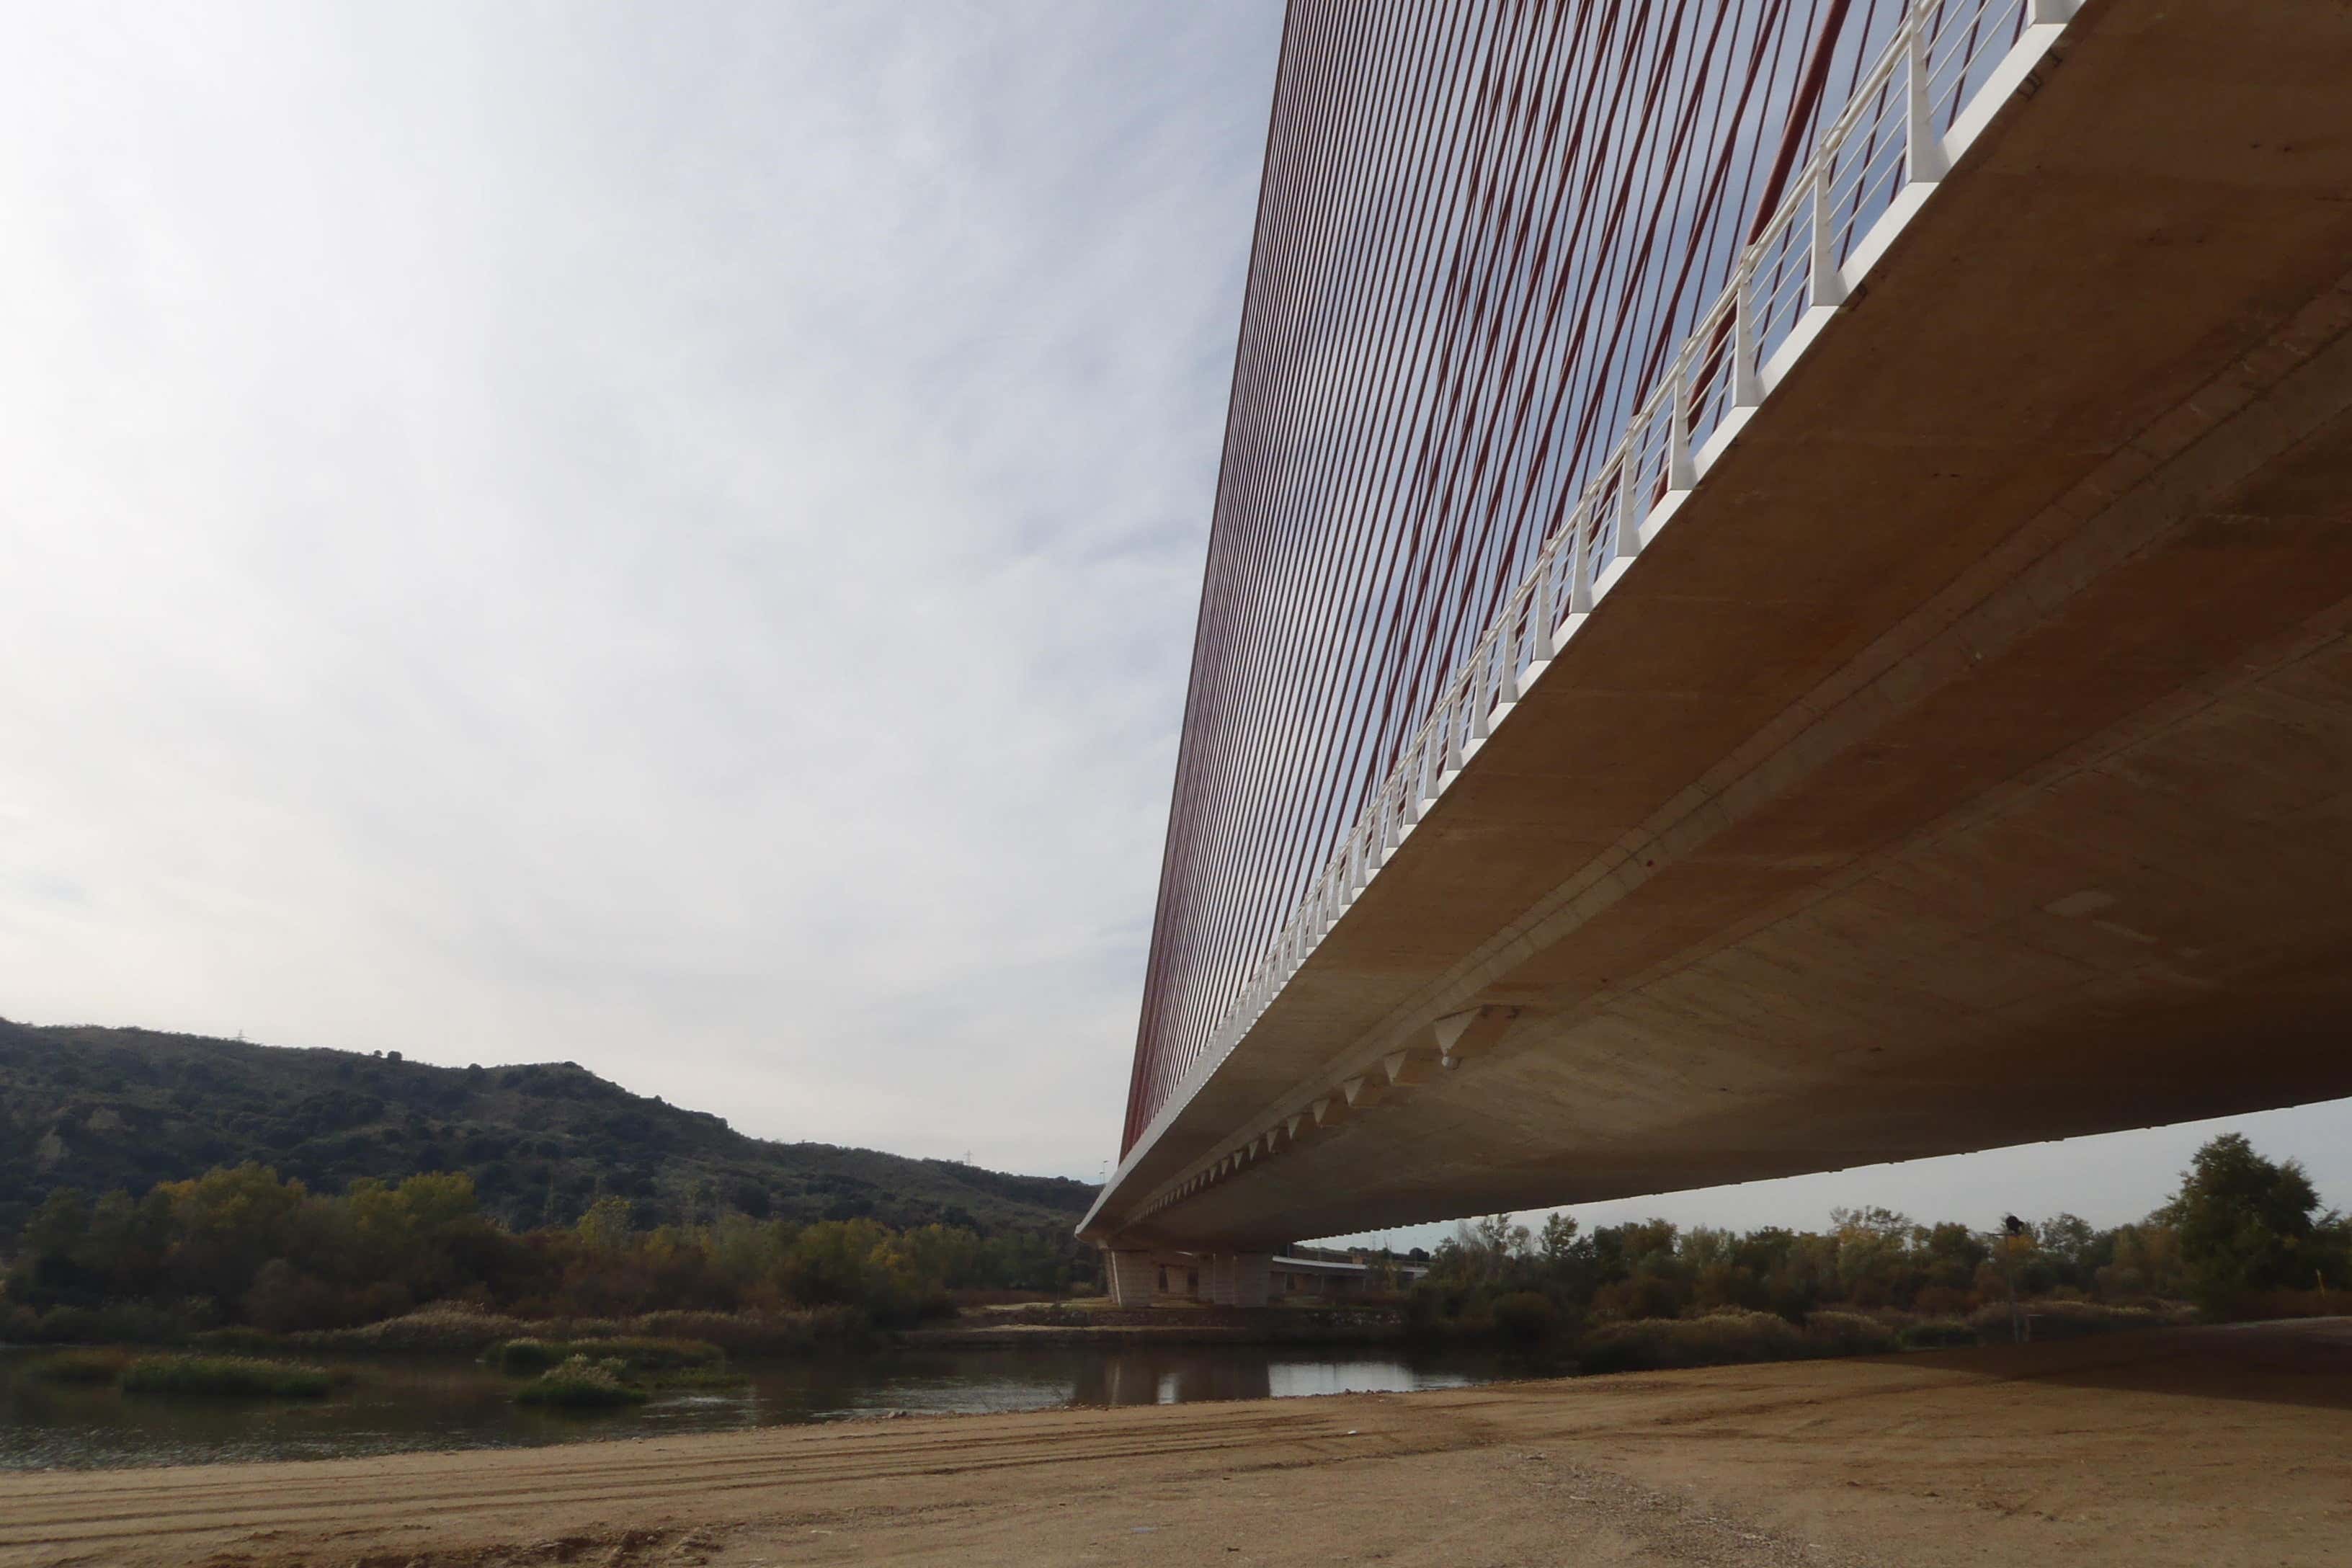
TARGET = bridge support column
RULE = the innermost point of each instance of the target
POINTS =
(1130, 1276)
(1239, 1278)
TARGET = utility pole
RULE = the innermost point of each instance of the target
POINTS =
(2012, 1227)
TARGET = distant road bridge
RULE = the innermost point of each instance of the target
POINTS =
(1777, 599)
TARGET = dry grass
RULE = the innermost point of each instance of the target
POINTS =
(459, 1329)
(243, 1377)
(446, 1327)
(96, 1367)
(636, 1352)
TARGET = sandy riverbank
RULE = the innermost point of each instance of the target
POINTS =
(2202, 1446)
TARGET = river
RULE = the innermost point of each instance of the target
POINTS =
(400, 1403)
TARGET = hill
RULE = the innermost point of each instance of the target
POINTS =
(102, 1108)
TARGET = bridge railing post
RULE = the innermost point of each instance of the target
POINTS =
(1922, 150)
(1827, 286)
(1631, 509)
(1747, 384)
(1579, 565)
(1480, 693)
(1681, 474)
(1539, 616)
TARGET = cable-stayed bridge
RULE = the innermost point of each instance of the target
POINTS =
(1777, 599)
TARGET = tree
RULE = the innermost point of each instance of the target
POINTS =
(1953, 1254)
(437, 1199)
(2075, 1249)
(229, 1222)
(2245, 1224)
(2146, 1260)
(1493, 1243)
(52, 1263)
(607, 1224)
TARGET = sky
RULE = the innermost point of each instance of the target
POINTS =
(664, 538)
(2111, 1179)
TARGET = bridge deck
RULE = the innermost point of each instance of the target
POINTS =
(1969, 760)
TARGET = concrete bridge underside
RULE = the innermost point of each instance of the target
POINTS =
(1968, 761)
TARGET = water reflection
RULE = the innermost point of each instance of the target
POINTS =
(1188, 1376)
(404, 1403)
(1161, 1377)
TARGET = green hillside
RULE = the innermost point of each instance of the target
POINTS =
(103, 1109)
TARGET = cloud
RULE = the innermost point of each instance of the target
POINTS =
(667, 539)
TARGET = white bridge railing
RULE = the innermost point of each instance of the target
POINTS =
(1916, 110)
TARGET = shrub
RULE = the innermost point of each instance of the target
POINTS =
(1848, 1333)
(973, 1296)
(764, 1333)
(645, 1354)
(1524, 1316)
(2071, 1320)
(67, 1326)
(235, 1376)
(115, 1322)
(636, 1352)
(445, 1327)
(139, 1323)
(1643, 1296)
(580, 1383)
(284, 1298)
(1937, 1333)
(1716, 1340)
(2066, 1320)
(18, 1325)
(521, 1357)
(93, 1367)
(2293, 1304)
(1430, 1308)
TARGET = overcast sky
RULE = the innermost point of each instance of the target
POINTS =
(664, 537)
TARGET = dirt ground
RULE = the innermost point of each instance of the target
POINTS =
(2207, 1446)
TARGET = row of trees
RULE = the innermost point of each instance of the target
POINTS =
(240, 1246)
(2239, 1228)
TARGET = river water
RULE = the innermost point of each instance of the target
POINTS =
(396, 1405)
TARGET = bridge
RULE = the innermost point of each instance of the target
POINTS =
(1777, 599)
